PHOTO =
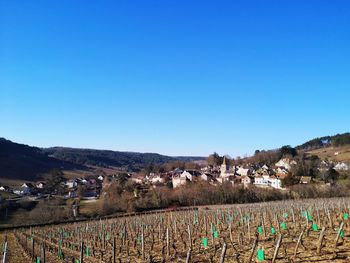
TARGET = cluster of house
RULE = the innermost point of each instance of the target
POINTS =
(92, 185)
(338, 166)
(263, 176)
(25, 188)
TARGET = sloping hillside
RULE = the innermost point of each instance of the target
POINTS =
(337, 140)
(19, 161)
(338, 154)
(105, 158)
(334, 148)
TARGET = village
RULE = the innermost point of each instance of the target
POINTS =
(261, 176)
(91, 187)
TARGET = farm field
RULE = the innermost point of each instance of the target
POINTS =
(314, 230)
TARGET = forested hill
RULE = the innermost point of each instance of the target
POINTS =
(326, 141)
(106, 158)
(19, 161)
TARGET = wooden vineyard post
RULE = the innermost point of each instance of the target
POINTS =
(143, 242)
(124, 234)
(223, 253)
(278, 224)
(189, 235)
(338, 234)
(299, 240)
(26, 240)
(43, 253)
(253, 249)
(188, 258)
(81, 252)
(59, 249)
(320, 240)
(4, 256)
(230, 230)
(33, 251)
(241, 238)
(248, 225)
(277, 248)
(167, 242)
(114, 250)
(127, 248)
(263, 224)
(329, 218)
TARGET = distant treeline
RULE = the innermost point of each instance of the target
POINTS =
(336, 140)
(133, 161)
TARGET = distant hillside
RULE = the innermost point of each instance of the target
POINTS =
(336, 154)
(19, 161)
(106, 158)
(326, 141)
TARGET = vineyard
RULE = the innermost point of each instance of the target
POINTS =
(290, 231)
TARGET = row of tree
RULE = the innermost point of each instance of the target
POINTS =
(260, 157)
(336, 140)
(119, 198)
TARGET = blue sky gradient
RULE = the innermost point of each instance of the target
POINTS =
(174, 77)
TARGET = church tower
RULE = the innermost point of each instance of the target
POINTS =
(223, 168)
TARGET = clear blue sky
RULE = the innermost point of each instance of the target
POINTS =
(174, 77)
